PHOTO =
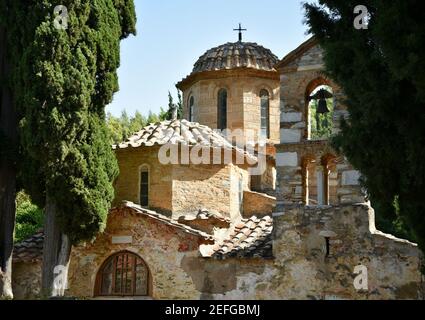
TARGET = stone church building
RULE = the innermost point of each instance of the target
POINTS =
(211, 227)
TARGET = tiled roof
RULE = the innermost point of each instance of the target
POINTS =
(163, 219)
(236, 55)
(250, 238)
(29, 250)
(180, 132)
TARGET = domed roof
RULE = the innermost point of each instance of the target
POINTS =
(236, 55)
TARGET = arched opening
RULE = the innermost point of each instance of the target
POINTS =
(320, 109)
(265, 113)
(191, 108)
(144, 186)
(222, 109)
(320, 181)
(123, 274)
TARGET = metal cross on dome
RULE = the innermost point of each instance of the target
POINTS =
(240, 31)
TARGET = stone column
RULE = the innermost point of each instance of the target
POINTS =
(320, 185)
(327, 173)
(305, 183)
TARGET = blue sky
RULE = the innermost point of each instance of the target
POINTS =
(172, 34)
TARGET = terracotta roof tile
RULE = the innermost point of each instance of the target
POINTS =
(164, 219)
(249, 238)
(236, 55)
(181, 132)
(29, 250)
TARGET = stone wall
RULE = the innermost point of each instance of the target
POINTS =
(258, 204)
(300, 269)
(243, 107)
(267, 181)
(214, 188)
(180, 189)
(162, 247)
(26, 280)
(393, 265)
(309, 171)
(160, 178)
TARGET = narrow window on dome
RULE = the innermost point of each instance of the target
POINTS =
(222, 110)
(144, 186)
(265, 114)
(191, 107)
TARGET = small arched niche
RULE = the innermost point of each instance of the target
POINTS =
(319, 110)
(123, 274)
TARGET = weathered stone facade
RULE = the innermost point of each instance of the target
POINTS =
(212, 237)
(309, 171)
(243, 102)
(179, 189)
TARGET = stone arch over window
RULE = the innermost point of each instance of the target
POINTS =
(222, 101)
(144, 185)
(191, 106)
(265, 86)
(123, 274)
(265, 113)
(318, 125)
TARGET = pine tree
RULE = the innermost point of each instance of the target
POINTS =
(381, 70)
(67, 77)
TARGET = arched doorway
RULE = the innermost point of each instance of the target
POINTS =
(123, 274)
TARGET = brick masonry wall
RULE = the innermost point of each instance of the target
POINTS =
(243, 110)
(258, 204)
(26, 280)
(127, 184)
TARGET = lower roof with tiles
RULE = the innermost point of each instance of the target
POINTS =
(249, 238)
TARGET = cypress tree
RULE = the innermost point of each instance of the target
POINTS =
(381, 70)
(13, 37)
(67, 77)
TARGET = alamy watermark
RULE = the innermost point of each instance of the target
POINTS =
(247, 148)
(361, 280)
(61, 17)
(60, 280)
(361, 21)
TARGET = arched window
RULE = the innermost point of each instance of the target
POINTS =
(144, 186)
(191, 107)
(265, 113)
(222, 110)
(123, 274)
(320, 113)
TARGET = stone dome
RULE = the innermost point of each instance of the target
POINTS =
(236, 55)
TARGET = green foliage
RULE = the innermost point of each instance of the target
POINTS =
(29, 217)
(121, 128)
(384, 83)
(324, 129)
(65, 78)
(168, 115)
